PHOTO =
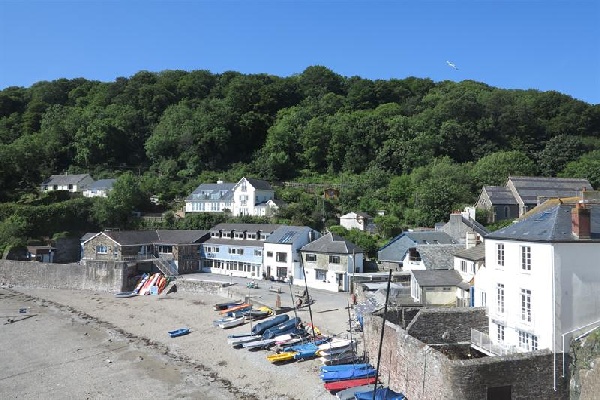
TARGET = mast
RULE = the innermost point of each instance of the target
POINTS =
(387, 296)
(308, 298)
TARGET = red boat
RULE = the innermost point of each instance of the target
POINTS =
(341, 385)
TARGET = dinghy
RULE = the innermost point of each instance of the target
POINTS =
(232, 323)
(341, 385)
(261, 327)
(348, 394)
(380, 394)
(179, 332)
(281, 357)
(348, 374)
(342, 367)
(241, 340)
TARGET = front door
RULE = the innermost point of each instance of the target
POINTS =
(340, 282)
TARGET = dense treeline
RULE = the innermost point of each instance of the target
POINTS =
(413, 147)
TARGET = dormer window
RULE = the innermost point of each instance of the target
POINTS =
(239, 235)
(243, 186)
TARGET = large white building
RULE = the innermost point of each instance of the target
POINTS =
(246, 197)
(281, 251)
(541, 282)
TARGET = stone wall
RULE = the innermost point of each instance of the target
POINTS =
(447, 325)
(101, 276)
(421, 372)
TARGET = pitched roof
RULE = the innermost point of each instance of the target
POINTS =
(246, 227)
(551, 224)
(180, 236)
(396, 249)
(500, 195)
(439, 256)
(130, 238)
(205, 191)
(171, 236)
(530, 188)
(259, 184)
(101, 184)
(288, 234)
(475, 253)
(332, 244)
(437, 278)
(65, 179)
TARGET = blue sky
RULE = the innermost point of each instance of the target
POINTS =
(526, 44)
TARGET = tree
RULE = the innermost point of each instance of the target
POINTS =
(125, 197)
(587, 166)
(494, 169)
(558, 152)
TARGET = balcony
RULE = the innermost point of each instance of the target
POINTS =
(482, 342)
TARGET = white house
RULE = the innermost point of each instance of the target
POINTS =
(360, 221)
(99, 188)
(281, 251)
(246, 197)
(541, 280)
(329, 262)
(70, 183)
(435, 287)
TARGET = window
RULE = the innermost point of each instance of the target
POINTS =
(334, 259)
(240, 251)
(239, 235)
(243, 186)
(282, 272)
(251, 236)
(500, 290)
(483, 299)
(311, 257)
(321, 274)
(258, 253)
(500, 333)
(500, 254)
(101, 249)
(270, 254)
(281, 257)
(526, 305)
(528, 341)
(463, 265)
(526, 258)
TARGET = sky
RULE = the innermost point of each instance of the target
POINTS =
(527, 44)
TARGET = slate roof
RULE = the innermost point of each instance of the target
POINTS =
(259, 184)
(530, 188)
(475, 253)
(101, 184)
(331, 244)
(133, 238)
(396, 248)
(551, 224)
(458, 226)
(246, 227)
(65, 179)
(225, 190)
(437, 278)
(500, 195)
(88, 236)
(288, 234)
(439, 256)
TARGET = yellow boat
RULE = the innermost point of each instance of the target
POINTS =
(279, 357)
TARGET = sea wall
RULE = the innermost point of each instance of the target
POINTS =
(100, 276)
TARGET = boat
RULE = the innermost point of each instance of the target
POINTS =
(348, 374)
(219, 321)
(281, 357)
(256, 314)
(348, 394)
(261, 327)
(223, 306)
(265, 343)
(125, 294)
(344, 358)
(179, 332)
(232, 323)
(242, 306)
(336, 343)
(342, 367)
(244, 339)
(380, 394)
(287, 327)
(345, 384)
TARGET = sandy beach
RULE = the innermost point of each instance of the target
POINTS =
(61, 344)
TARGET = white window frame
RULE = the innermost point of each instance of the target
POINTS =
(281, 256)
(526, 258)
(500, 333)
(321, 274)
(500, 254)
(311, 257)
(334, 259)
(526, 305)
(500, 298)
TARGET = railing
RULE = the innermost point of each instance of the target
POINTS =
(481, 341)
(165, 266)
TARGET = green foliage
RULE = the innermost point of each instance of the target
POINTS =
(587, 166)
(494, 169)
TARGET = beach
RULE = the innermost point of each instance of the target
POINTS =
(92, 345)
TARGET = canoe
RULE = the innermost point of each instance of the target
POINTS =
(235, 308)
(232, 323)
(341, 385)
(281, 357)
(348, 374)
(125, 294)
(261, 327)
(179, 332)
(223, 306)
(348, 394)
(241, 340)
(342, 367)
(380, 394)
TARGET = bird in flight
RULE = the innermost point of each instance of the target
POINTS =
(452, 65)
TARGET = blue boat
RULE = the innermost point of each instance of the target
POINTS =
(348, 374)
(343, 367)
(288, 326)
(261, 327)
(179, 332)
(380, 394)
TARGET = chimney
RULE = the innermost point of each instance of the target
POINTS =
(581, 221)
(471, 240)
